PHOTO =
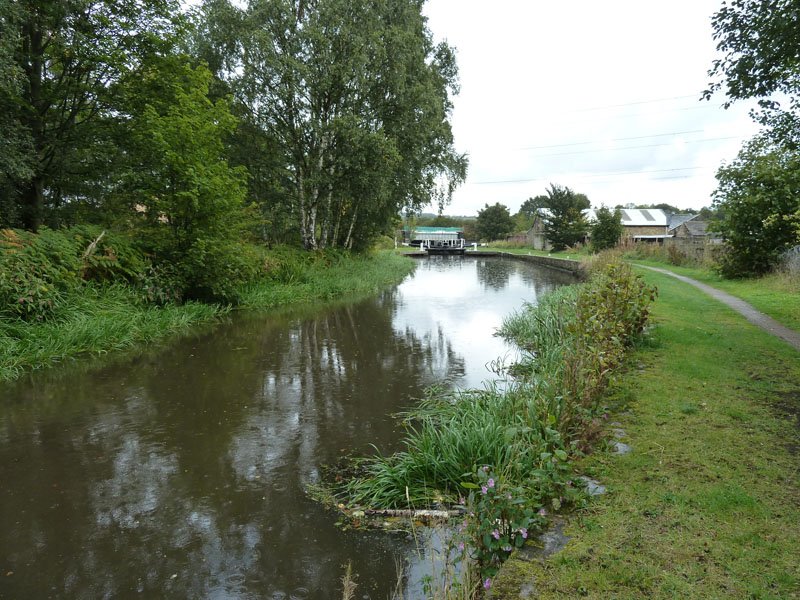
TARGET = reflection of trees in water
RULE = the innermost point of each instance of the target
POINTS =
(543, 279)
(494, 273)
(191, 462)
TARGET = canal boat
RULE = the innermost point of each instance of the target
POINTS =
(445, 247)
(438, 240)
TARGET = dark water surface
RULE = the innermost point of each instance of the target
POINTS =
(180, 472)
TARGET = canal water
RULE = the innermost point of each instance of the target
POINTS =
(180, 471)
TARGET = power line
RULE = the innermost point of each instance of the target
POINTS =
(730, 137)
(623, 139)
(567, 120)
(602, 150)
(653, 101)
(600, 175)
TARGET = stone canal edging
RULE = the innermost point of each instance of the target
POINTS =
(576, 267)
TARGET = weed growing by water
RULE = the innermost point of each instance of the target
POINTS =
(524, 430)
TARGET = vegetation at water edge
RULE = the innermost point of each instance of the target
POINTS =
(503, 452)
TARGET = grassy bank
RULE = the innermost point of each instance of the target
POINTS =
(97, 317)
(502, 453)
(708, 504)
(776, 294)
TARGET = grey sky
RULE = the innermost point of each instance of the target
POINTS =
(602, 97)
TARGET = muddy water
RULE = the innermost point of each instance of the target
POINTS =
(180, 472)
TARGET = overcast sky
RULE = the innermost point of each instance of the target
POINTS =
(603, 97)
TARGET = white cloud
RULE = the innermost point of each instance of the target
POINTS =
(587, 74)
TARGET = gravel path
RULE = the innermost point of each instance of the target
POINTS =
(757, 318)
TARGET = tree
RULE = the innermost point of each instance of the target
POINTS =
(493, 222)
(607, 230)
(565, 225)
(71, 53)
(186, 201)
(532, 205)
(760, 45)
(759, 198)
(667, 208)
(758, 193)
(16, 152)
(357, 97)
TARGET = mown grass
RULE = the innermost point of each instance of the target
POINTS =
(97, 319)
(776, 294)
(708, 504)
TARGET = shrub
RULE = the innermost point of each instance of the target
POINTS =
(37, 269)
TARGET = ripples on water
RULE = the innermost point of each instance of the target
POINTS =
(180, 472)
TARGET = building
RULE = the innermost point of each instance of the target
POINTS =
(429, 236)
(645, 224)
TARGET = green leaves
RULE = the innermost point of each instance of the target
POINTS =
(564, 223)
(759, 198)
(494, 222)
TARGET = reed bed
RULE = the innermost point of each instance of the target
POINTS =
(571, 342)
(96, 320)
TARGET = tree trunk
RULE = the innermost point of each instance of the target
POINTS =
(307, 223)
(32, 203)
(348, 242)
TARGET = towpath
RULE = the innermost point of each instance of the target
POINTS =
(757, 318)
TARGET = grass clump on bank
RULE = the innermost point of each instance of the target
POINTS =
(85, 290)
(503, 451)
(707, 504)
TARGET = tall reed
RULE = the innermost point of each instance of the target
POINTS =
(571, 342)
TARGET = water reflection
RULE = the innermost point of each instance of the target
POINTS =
(182, 472)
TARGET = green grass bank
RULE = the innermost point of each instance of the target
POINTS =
(776, 294)
(708, 503)
(97, 317)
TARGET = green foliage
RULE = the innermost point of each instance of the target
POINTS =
(532, 205)
(356, 98)
(749, 67)
(36, 270)
(71, 55)
(511, 447)
(668, 208)
(564, 223)
(759, 195)
(571, 341)
(498, 518)
(187, 202)
(608, 230)
(494, 222)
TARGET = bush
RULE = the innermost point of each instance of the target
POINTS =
(608, 230)
(37, 269)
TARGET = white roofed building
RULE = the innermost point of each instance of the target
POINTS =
(647, 224)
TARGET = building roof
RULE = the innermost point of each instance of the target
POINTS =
(677, 220)
(636, 217)
(435, 229)
(697, 228)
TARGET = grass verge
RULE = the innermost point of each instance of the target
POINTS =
(96, 319)
(708, 504)
(776, 294)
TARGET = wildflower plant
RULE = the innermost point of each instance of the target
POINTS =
(498, 520)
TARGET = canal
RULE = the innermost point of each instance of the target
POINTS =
(180, 470)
